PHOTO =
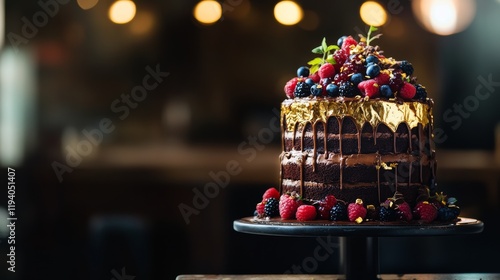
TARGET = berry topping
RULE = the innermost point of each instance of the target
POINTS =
(386, 91)
(406, 67)
(316, 90)
(305, 212)
(373, 70)
(290, 87)
(302, 89)
(332, 90)
(326, 71)
(407, 91)
(356, 211)
(351, 63)
(421, 93)
(303, 71)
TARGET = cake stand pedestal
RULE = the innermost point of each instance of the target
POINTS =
(360, 257)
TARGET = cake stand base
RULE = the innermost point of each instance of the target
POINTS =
(360, 256)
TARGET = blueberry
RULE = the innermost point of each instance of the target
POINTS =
(357, 78)
(372, 59)
(310, 81)
(373, 70)
(316, 90)
(332, 90)
(385, 91)
(303, 71)
(340, 41)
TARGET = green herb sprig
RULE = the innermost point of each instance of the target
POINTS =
(327, 56)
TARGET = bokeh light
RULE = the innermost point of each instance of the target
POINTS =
(207, 11)
(444, 17)
(372, 13)
(288, 12)
(122, 11)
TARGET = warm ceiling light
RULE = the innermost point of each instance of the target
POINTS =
(288, 12)
(444, 17)
(122, 11)
(207, 11)
(372, 13)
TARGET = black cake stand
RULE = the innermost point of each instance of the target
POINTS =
(360, 257)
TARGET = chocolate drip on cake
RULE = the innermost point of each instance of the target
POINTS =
(356, 150)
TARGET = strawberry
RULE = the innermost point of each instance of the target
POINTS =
(271, 193)
(425, 211)
(290, 87)
(326, 71)
(407, 91)
(324, 206)
(288, 205)
(306, 212)
(356, 211)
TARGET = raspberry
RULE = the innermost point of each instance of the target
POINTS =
(356, 211)
(340, 57)
(326, 71)
(371, 88)
(407, 91)
(382, 78)
(288, 206)
(425, 211)
(259, 208)
(347, 43)
(271, 192)
(404, 211)
(315, 77)
(306, 212)
(290, 87)
(325, 205)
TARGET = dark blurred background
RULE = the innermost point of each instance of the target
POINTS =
(136, 145)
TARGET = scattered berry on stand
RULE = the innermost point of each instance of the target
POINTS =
(339, 211)
(325, 205)
(306, 212)
(288, 205)
(271, 207)
(356, 211)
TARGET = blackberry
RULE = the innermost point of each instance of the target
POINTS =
(271, 208)
(338, 212)
(348, 89)
(396, 81)
(406, 67)
(448, 213)
(386, 214)
(302, 89)
(421, 93)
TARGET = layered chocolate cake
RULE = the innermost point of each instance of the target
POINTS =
(355, 148)
(357, 141)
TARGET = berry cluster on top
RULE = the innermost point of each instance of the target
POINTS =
(353, 68)
(291, 206)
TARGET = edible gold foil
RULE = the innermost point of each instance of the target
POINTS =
(374, 111)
